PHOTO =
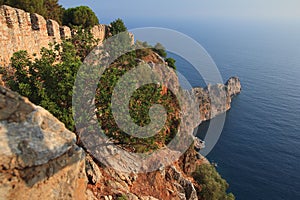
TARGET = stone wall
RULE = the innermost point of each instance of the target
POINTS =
(20, 30)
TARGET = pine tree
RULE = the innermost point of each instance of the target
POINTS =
(80, 16)
(32, 6)
(53, 10)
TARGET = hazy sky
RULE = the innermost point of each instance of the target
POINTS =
(191, 9)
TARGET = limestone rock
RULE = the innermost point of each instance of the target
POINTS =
(233, 86)
(39, 157)
(216, 99)
(148, 198)
(92, 171)
(183, 185)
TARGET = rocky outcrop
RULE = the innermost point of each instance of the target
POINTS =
(20, 30)
(39, 157)
(40, 160)
(166, 183)
(216, 99)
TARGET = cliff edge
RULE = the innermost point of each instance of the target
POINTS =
(40, 160)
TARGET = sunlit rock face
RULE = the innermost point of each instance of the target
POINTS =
(216, 99)
(39, 156)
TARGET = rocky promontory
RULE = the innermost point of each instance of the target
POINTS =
(40, 158)
(216, 99)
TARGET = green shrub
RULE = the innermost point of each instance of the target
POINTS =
(47, 82)
(80, 16)
(160, 50)
(213, 186)
(117, 26)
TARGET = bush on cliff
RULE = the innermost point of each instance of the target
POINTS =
(48, 81)
(160, 50)
(213, 186)
(117, 26)
(80, 16)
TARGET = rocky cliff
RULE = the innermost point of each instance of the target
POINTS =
(40, 160)
(39, 157)
(211, 99)
(20, 30)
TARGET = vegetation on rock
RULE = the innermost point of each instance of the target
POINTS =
(212, 184)
(48, 81)
(139, 105)
(117, 26)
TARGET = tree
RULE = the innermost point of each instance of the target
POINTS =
(3, 2)
(213, 186)
(32, 6)
(171, 62)
(47, 82)
(117, 26)
(53, 10)
(160, 49)
(50, 9)
(80, 16)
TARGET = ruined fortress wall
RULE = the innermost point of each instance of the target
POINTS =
(20, 30)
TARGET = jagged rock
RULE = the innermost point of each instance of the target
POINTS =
(131, 196)
(233, 86)
(92, 171)
(198, 144)
(108, 197)
(148, 198)
(190, 191)
(90, 195)
(215, 99)
(39, 157)
(183, 185)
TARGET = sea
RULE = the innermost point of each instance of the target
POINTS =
(258, 152)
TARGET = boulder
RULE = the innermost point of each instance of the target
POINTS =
(39, 158)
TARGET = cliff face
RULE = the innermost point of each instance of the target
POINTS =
(40, 160)
(20, 30)
(216, 99)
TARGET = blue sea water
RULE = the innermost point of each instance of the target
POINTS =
(258, 152)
